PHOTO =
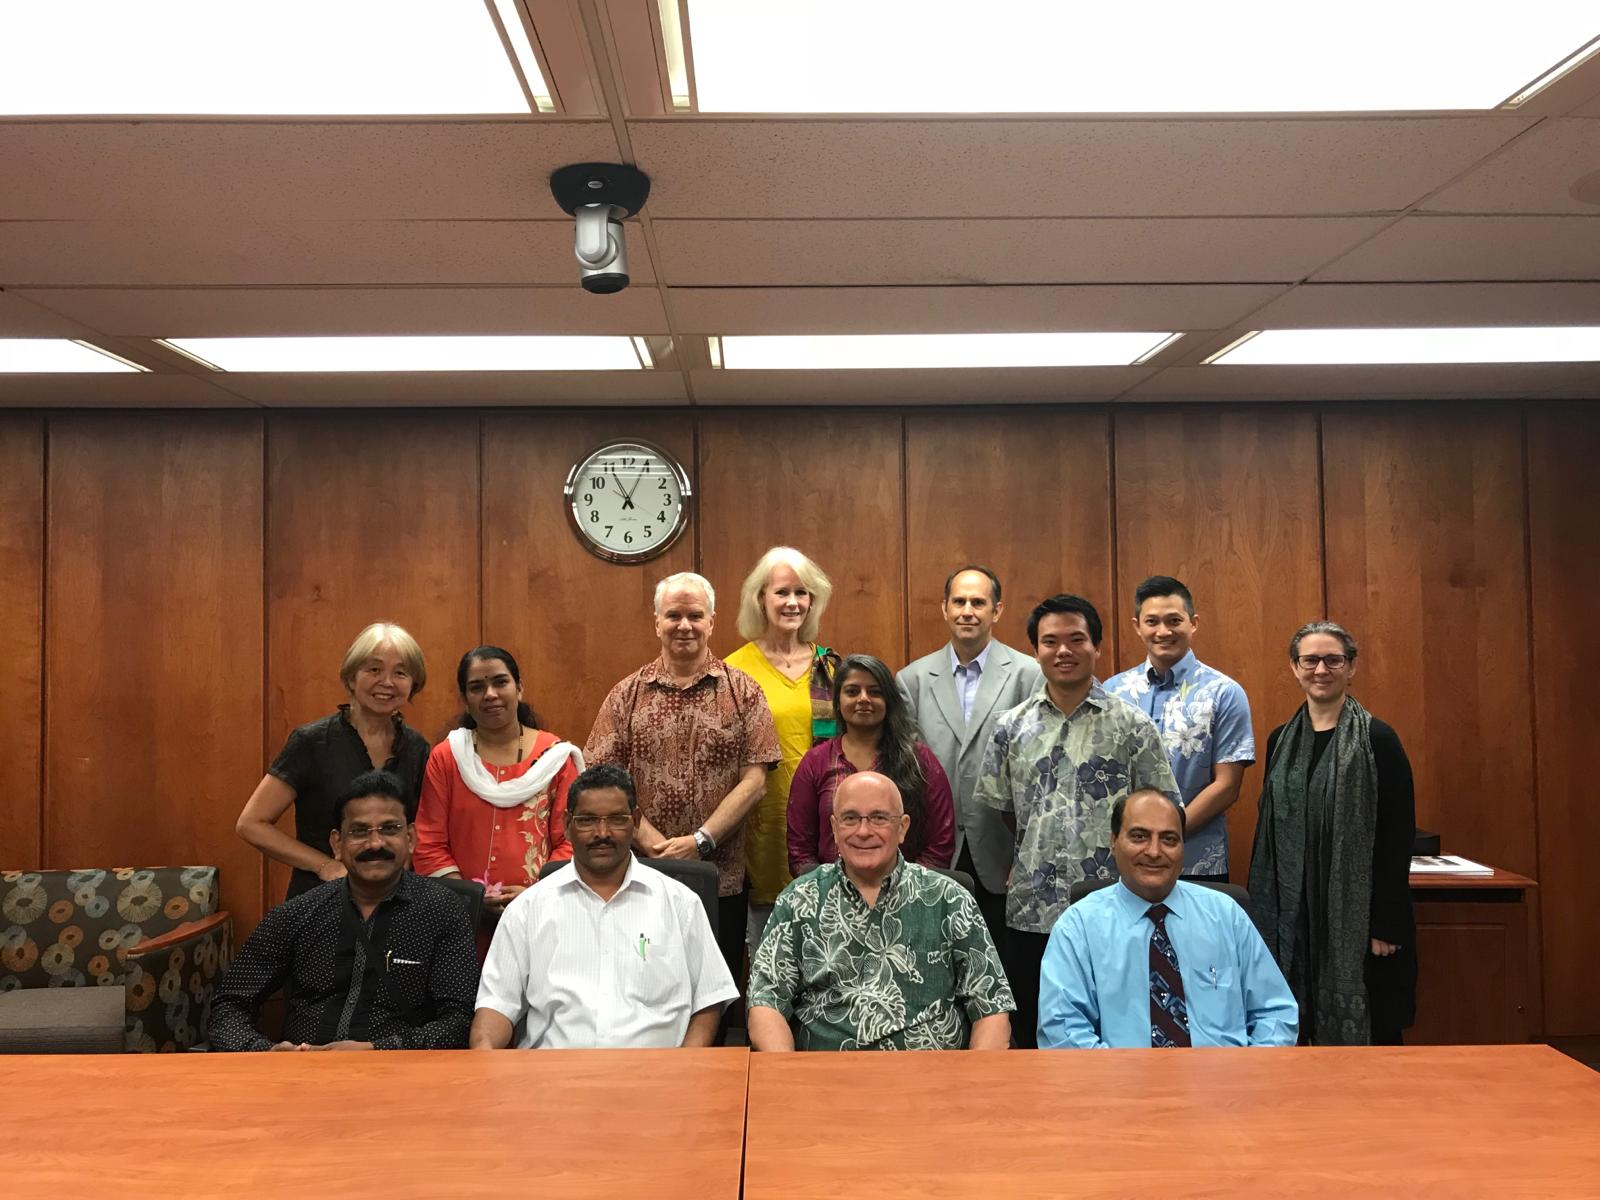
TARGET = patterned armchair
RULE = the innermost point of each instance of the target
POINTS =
(155, 933)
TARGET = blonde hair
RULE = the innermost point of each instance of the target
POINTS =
(753, 614)
(374, 638)
(687, 579)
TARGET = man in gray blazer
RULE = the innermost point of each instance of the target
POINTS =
(956, 694)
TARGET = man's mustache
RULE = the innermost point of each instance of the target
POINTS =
(378, 855)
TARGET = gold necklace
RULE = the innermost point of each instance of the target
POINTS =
(499, 770)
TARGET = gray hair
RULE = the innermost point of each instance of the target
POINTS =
(687, 579)
(1332, 629)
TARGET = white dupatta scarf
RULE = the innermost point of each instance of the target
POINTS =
(512, 792)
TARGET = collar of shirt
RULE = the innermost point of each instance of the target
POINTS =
(885, 889)
(1098, 698)
(396, 719)
(656, 672)
(401, 894)
(1132, 908)
(981, 658)
(641, 879)
(1180, 670)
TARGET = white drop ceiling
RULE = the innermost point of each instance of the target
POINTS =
(118, 230)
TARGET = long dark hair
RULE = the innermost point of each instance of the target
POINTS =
(897, 743)
(525, 712)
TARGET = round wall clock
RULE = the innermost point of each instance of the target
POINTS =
(627, 500)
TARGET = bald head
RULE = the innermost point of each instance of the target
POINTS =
(865, 787)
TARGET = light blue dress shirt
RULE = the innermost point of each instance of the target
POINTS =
(967, 678)
(1204, 718)
(1094, 982)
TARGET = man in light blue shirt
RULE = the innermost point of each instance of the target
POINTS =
(1204, 718)
(1152, 961)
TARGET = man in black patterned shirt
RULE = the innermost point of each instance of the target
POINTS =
(380, 959)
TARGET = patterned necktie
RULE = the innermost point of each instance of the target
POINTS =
(1169, 1014)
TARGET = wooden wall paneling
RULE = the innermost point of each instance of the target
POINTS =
(153, 644)
(21, 649)
(1025, 493)
(1227, 501)
(828, 483)
(1426, 566)
(1564, 496)
(370, 517)
(576, 623)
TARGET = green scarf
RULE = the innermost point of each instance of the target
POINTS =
(823, 723)
(1311, 872)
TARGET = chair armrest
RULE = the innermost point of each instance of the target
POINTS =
(181, 934)
(170, 982)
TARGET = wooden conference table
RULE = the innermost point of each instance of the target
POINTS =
(1500, 1121)
(578, 1124)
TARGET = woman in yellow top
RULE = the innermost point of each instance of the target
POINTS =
(780, 607)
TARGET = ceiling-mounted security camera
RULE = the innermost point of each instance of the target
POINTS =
(600, 195)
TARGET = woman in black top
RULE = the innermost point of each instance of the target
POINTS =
(1329, 877)
(382, 671)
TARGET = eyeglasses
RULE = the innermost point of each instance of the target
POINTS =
(589, 822)
(878, 820)
(389, 830)
(1308, 662)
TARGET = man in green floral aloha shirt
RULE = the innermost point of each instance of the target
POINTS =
(876, 953)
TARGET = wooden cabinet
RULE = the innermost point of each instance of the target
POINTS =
(1473, 967)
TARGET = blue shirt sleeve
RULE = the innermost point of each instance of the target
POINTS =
(1069, 1008)
(1232, 738)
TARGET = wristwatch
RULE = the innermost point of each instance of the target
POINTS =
(705, 843)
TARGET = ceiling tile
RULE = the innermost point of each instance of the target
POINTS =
(114, 391)
(963, 252)
(461, 389)
(1055, 166)
(975, 309)
(1535, 174)
(1452, 381)
(962, 386)
(1475, 248)
(283, 170)
(308, 312)
(19, 318)
(220, 250)
(1359, 305)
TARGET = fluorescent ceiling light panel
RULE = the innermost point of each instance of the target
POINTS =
(58, 356)
(297, 354)
(517, 34)
(935, 350)
(1330, 347)
(290, 57)
(874, 56)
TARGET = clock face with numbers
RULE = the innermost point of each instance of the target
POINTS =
(627, 501)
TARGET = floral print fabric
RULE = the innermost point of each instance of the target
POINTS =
(912, 972)
(76, 929)
(1204, 718)
(1060, 775)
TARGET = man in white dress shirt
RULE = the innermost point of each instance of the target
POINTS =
(605, 952)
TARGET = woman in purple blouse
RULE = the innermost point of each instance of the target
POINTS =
(877, 734)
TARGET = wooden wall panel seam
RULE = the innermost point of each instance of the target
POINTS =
(41, 840)
(905, 540)
(1115, 542)
(1322, 513)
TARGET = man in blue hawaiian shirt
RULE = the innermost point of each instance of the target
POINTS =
(1204, 718)
(1054, 767)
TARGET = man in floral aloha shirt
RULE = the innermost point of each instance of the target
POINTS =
(1055, 766)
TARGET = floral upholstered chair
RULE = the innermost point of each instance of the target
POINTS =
(155, 933)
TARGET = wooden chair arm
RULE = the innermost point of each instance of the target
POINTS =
(182, 933)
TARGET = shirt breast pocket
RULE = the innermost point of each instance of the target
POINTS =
(654, 976)
(1216, 1003)
(405, 986)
